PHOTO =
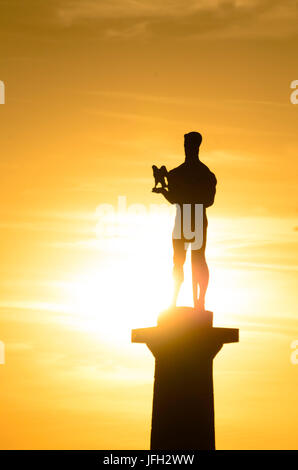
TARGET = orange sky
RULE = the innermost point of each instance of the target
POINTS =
(96, 92)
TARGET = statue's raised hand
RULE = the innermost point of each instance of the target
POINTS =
(158, 190)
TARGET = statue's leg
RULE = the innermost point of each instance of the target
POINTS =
(179, 255)
(200, 272)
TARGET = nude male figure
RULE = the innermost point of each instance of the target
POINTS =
(191, 183)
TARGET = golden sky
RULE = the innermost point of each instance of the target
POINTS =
(96, 92)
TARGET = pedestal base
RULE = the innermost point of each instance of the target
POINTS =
(184, 345)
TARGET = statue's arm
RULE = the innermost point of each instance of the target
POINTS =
(211, 190)
(166, 193)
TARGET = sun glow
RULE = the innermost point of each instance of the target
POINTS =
(131, 287)
(135, 284)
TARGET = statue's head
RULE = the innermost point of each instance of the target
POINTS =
(192, 142)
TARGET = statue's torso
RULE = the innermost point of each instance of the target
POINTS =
(192, 184)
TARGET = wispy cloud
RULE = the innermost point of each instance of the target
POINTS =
(128, 18)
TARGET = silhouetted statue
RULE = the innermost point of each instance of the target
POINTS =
(184, 347)
(191, 183)
(185, 343)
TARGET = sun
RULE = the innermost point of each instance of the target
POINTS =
(134, 284)
(110, 306)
